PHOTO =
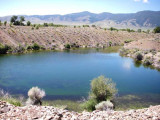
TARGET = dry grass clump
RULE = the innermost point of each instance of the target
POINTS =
(104, 105)
(35, 95)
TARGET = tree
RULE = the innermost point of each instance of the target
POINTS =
(157, 29)
(5, 23)
(0, 23)
(13, 19)
(22, 19)
(28, 23)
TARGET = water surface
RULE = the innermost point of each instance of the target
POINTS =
(67, 75)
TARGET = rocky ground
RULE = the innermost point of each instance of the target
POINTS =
(10, 112)
(50, 37)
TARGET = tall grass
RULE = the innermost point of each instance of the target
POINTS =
(5, 96)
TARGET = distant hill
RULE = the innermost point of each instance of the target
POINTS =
(142, 19)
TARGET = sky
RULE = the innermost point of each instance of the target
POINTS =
(48, 7)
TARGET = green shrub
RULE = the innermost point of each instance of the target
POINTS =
(28, 23)
(102, 89)
(37, 27)
(45, 24)
(89, 105)
(138, 56)
(36, 46)
(128, 41)
(157, 30)
(67, 46)
(4, 48)
(147, 62)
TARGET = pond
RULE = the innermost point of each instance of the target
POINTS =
(67, 75)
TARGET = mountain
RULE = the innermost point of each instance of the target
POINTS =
(142, 19)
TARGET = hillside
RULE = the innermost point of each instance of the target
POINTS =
(142, 19)
(57, 38)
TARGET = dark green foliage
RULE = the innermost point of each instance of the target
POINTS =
(67, 46)
(28, 23)
(4, 49)
(112, 29)
(85, 25)
(13, 19)
(22, 19)
(139, 57)
(36, 46)
(5, 23)
(157, 30)
(0, 23)
(45, 24)
(128, 41)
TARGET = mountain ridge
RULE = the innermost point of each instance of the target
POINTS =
(141, 19)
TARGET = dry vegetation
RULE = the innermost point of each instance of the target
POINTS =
(58, 37)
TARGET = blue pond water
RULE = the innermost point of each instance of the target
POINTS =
(67, 75)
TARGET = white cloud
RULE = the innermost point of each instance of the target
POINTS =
(144, 1)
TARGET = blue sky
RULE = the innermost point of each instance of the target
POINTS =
(43, 7)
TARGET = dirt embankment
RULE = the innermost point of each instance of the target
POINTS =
(50, 37)
(10, 112)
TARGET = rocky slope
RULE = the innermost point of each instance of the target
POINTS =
(51, 37)
(10, 112)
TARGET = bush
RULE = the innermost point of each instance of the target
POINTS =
(35, 95)
(67, 46)
(45, 24)
(102, 89)
(36, 46)
(139, 56)
(37, 27)
(4, 48)
(28, 23)
(89, 105)
(147, 62)
(128, 41)
(104, 105)
(157, 30)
